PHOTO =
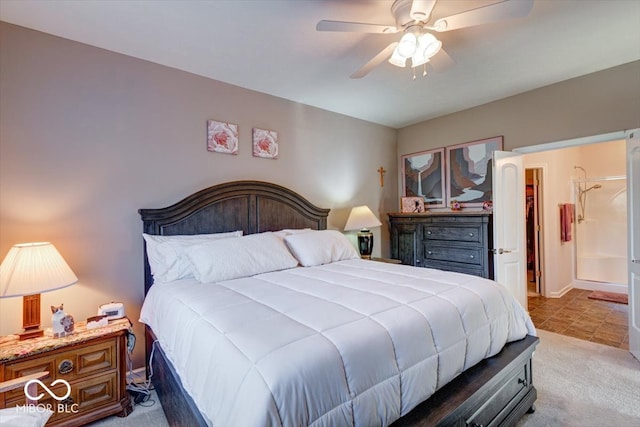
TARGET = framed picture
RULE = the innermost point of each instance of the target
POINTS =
(412, 204)
(222, 137)
(423, 176)
(469, 171)
(265, 143)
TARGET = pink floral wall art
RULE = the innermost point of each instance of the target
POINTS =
(222, 137)
(265, 143)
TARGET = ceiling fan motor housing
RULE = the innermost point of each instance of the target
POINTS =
(401, 11)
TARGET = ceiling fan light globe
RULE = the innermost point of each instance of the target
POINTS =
(397, 60)
(417, 60)
(432, 49)
(407, 46)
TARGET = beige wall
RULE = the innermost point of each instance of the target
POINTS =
(88, 136)
(594, 104)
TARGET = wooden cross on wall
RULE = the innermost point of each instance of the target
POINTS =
(381, 171)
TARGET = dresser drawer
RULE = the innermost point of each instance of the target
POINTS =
(456, 267)
(498, 406)
(69, 365)
(469, 233)
(472, 255)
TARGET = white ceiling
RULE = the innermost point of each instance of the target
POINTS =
(272, 46)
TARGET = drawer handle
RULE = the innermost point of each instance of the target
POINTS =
(430, 253)
(471, 256)
(429, 233)
(523, 381)
(65, 367)
(68, 401)
(470, 234)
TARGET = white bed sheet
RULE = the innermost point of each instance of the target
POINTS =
(353, 343)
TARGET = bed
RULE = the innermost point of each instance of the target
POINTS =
(322, 338)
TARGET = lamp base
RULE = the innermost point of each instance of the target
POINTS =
(30, 333)
(365, 243)
(31, 317)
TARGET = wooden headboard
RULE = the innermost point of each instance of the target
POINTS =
(250, 206)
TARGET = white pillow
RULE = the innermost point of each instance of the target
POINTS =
(228, 259)
(166, 255)
(320, 247)
(288, 231)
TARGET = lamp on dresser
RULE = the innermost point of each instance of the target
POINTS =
(28, 270)
(361, 218)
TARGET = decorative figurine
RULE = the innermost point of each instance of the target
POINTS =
(62, 324)
(455, 205)
(487, 205)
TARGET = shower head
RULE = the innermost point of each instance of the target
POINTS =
(593, 187)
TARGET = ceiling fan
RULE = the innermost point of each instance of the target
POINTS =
(418, 44)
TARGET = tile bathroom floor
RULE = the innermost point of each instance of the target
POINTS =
(577, 316)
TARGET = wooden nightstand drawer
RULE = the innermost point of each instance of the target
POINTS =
(85, 397)
(67, 365)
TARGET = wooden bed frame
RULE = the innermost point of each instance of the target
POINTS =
(497, 391)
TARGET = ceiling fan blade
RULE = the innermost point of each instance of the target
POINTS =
(375, 61)
(421, 9)
(506, 9)
(356, 27)
(441, 61)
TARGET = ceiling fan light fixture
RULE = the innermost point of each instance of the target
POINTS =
(429, 45)
(418, 59)
(397, 60)
(408, 45)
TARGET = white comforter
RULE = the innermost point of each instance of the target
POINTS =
(352, 343)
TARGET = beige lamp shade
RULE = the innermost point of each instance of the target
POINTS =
(361, 218)
(34, 268)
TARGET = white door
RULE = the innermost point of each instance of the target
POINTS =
(633, 214)
(509, 238)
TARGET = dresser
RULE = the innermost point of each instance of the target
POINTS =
(460, 241)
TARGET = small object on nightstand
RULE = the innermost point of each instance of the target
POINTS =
(113, 310)
(455, 205)
(62, 324)
(97, 322)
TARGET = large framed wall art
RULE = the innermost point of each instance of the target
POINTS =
(469, 171)
(423, 176)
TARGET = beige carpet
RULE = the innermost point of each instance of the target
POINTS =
(579, 383)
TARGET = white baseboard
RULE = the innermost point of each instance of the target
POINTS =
(601, 286)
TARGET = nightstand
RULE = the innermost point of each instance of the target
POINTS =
(92, 364)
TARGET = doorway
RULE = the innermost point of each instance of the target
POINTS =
(533, 227)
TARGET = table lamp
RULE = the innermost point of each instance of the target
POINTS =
(361, 218)
(28, 270)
